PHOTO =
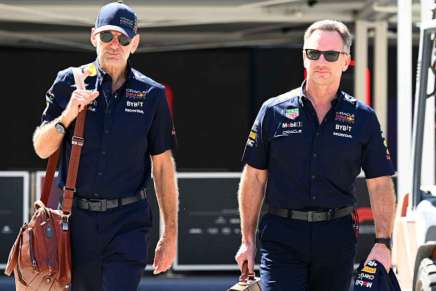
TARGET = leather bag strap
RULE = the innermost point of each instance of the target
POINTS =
(73, 166)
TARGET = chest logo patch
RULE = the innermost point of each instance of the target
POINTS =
(341, 134)
(135, 94)
(292, 124)
(344, 128)
(292, 131)
(134, 107)
(292, 113)
(345, 117)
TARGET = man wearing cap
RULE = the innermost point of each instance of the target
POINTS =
(302, 157)
(128, 130)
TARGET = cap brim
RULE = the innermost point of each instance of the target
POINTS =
(112, 27)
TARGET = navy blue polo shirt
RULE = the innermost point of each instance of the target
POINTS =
(312, 165)
(122, 130)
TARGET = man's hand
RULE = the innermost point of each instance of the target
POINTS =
(165, 253)
(247, 253)
(250, 197)
(78, 101)
(381, 254)
(165, 185)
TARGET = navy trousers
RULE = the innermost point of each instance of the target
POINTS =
(302, 256)
(109, 248)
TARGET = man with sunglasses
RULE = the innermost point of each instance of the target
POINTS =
(302, 157)
(128, 129)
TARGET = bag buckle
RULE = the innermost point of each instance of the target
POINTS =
(64, 223)
(76, 140)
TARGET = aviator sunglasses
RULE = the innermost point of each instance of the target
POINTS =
(329, 56)
(107, 36)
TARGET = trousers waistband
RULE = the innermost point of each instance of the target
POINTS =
(102, 205)
(311, 216)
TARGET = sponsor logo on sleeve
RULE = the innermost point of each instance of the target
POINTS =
(365, 276)
(363, 283)
(388, 154)
(251, 138)
(50, 95)
(369, 270)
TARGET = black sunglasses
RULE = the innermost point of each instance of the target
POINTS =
(107, 36)
(329, 56)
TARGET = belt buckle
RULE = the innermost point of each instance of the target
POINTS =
(309, 216)
(330, 214)
(97, 205)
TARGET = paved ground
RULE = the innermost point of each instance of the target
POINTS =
(185, 283)
(165, 283)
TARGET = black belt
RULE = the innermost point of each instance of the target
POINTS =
(101, 205)
(311, 216)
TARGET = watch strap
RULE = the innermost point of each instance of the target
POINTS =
(384, 240)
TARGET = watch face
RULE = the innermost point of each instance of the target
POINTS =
(60, 128)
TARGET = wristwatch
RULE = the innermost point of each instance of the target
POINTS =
(60, 128)
(384, 240)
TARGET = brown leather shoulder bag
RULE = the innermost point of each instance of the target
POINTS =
(41, 255)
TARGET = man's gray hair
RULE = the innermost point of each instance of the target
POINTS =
(331, 25)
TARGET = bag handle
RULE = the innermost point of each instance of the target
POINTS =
(49, 175)
(245, 275)
(77, 142)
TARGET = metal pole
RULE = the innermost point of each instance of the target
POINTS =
(428, 162)
(381, 74)
(404, 95)
(361, 58)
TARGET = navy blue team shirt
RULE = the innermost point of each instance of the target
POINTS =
(311, 165)
(122, 130)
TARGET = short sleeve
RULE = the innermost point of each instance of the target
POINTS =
(256, 148)
(376, 160)
(56, 98)
(162, 134)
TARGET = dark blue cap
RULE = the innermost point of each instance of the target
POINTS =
(373, 277)
(119, 17)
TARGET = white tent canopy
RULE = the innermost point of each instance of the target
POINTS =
(182, 24)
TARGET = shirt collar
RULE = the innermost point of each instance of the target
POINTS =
(101, 74)
(303, 98)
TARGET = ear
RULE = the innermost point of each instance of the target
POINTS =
(93, 38)
(346, 63)
(135, 44)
